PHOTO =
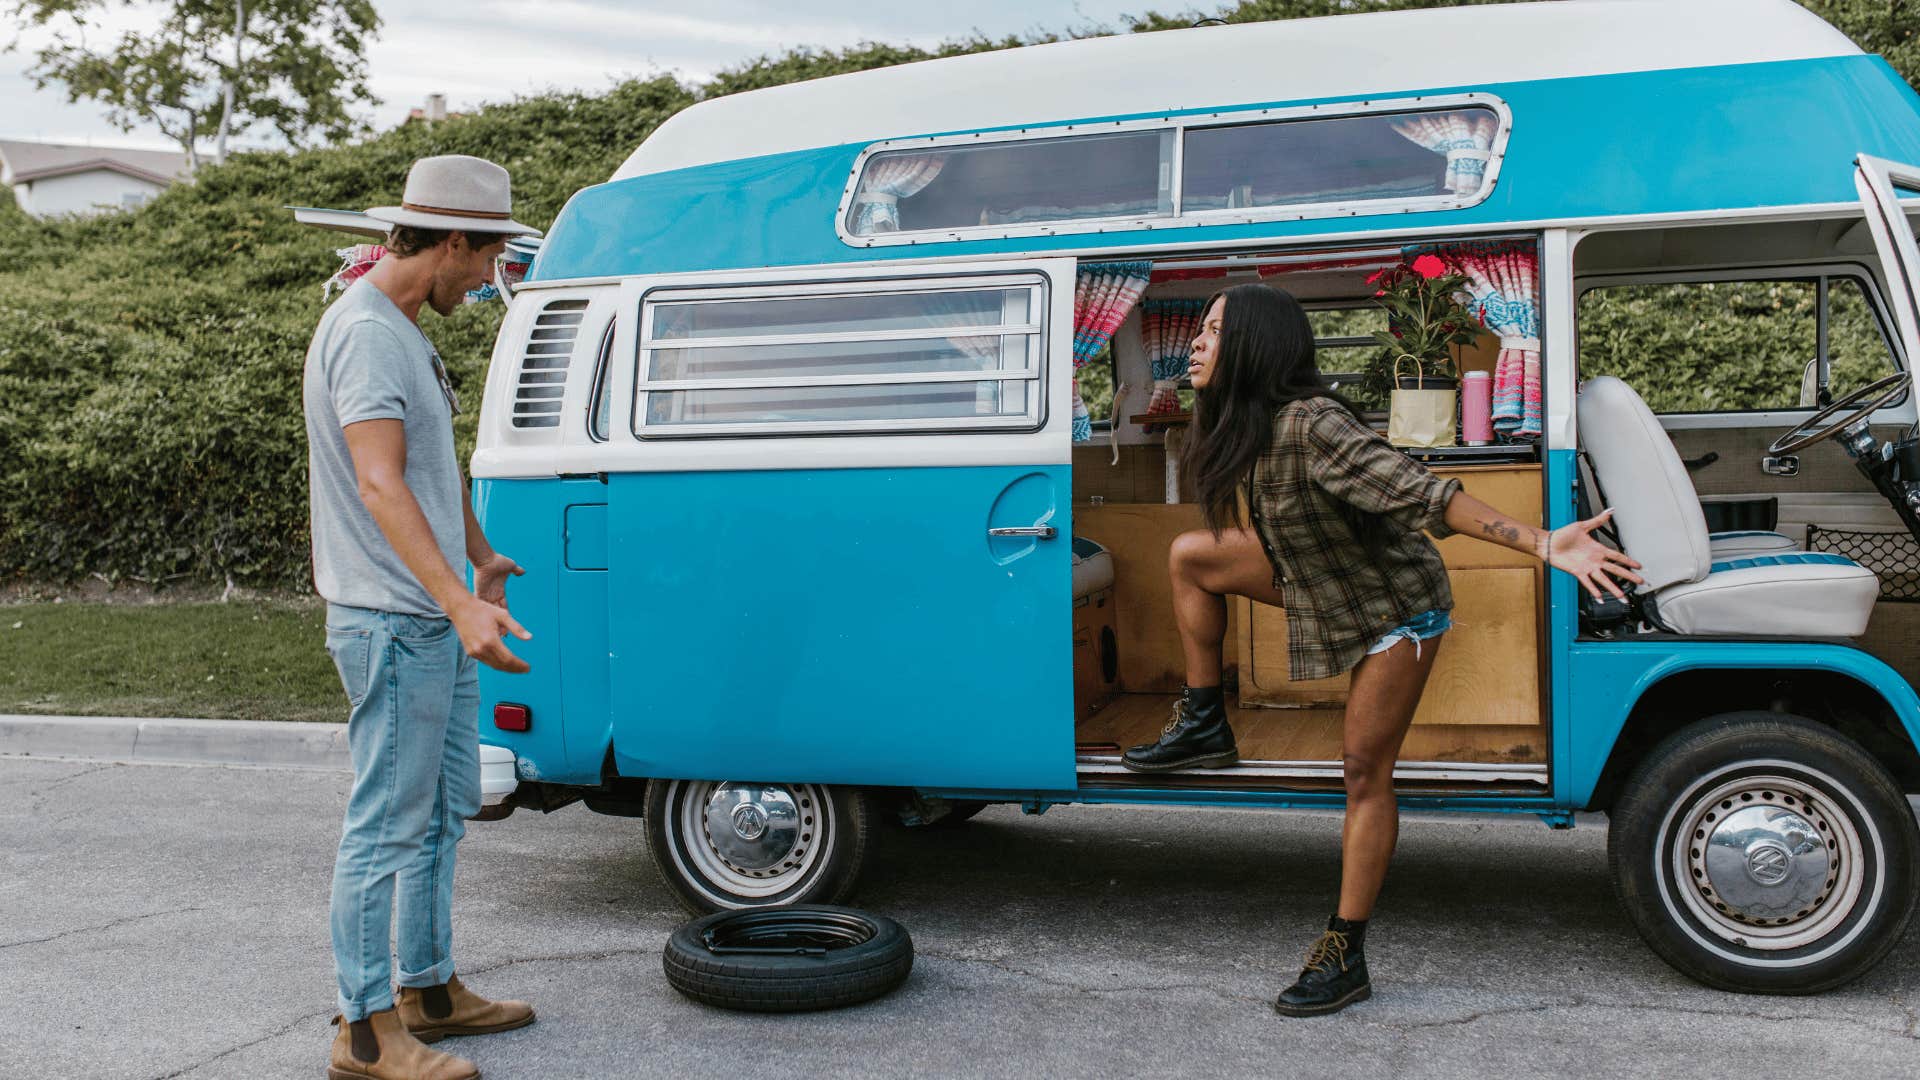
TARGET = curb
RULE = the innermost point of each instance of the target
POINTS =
(290, 744)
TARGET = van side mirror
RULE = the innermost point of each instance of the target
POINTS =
(510, 268)
(1810, 384)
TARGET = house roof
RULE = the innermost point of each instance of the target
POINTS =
(28, 161)
(1335, 57)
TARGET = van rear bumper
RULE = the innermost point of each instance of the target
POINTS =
(498, 776)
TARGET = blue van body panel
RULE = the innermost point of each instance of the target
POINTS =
(843, 626)
(1563, 624)
(1608, 678)
(1583, 147)
(565, 610)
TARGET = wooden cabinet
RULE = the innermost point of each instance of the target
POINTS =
(1489, 670)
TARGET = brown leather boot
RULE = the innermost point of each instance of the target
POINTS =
(401, 1056)
(468, 1014)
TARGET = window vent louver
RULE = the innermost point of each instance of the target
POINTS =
(543, 368)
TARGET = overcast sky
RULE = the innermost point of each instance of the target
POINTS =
(478, 51)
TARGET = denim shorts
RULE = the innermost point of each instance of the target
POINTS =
(1422, 627)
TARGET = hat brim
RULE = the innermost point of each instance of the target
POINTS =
(419, 219)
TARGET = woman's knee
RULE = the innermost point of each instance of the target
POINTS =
(1190, 554)
(1367, 773)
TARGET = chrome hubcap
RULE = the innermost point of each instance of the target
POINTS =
(752, 827)
(752, 842)
(1766, 862)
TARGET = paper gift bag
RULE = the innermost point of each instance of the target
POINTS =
(1418, 416)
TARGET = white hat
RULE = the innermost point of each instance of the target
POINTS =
(455, 191)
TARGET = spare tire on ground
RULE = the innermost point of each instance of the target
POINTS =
(788, 959)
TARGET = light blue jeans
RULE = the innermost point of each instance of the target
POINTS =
(1422, 627)
(415, 739)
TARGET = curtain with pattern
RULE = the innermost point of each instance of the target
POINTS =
(1167, 330)
(1503, 288)
(1465, 137)
(1103, 294)
(876, 206)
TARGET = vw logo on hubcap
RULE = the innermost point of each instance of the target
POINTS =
(749, 821)
(1768, 863)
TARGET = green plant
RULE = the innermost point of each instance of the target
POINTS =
(1425, 315)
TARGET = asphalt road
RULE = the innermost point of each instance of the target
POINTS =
(170, 921)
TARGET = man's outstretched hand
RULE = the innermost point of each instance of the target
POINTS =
(490, 579)
(482, 627)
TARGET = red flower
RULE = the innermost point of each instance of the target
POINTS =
(1429, 267)
(1397, 333)
(1379, 292)
(1374, 278)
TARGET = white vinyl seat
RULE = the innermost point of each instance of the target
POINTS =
(1092, 568)
(1691, 587)
(1745, 542)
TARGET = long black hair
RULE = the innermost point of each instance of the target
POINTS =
(1265, 360)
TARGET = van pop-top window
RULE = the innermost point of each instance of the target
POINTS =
(1127, 175)
(1339, 160)
(874, 356)
(1264, 164)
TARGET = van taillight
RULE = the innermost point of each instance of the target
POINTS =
(509, 717)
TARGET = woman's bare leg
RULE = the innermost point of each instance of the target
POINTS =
(1383, 694)
(1205, 570)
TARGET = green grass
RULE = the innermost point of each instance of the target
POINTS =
(247, 660)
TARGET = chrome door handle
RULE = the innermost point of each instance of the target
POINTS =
(1044, 532)
(1784, 465)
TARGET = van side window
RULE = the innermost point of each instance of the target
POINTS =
(1093, 176)
(873, 356)
(1257, 164)
(1733, 346)
(1338, 160)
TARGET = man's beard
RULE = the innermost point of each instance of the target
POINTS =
(444, 302)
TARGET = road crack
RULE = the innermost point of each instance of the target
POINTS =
(230, 1051)
(102, 926)
(1906, 1032)
(69, 778)
(1069, 984)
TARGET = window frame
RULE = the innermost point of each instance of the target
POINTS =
(1036, 330)
(1817, 273)
(1180, 218)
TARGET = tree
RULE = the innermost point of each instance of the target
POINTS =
(213, 66)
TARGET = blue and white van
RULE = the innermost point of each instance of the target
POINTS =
(782, 425)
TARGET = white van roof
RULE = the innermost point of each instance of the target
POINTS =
(1339, 56)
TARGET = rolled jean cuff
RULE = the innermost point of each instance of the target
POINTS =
(349, 1012)
(437, 975)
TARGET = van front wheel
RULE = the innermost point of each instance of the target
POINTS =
(726, 845)
(1764, 853)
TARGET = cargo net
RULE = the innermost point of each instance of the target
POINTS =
(1894, 556)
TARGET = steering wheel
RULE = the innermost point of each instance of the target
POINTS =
(1883, 392)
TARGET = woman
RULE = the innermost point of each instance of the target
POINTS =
(1337, 539)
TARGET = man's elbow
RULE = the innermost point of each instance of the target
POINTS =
(380, 488)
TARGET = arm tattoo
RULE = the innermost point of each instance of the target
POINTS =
(1494, 530)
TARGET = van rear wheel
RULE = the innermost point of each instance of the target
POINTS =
(1764, 853)
(726, 845)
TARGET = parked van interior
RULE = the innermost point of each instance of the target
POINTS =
(1730, 334)
(1482, 723)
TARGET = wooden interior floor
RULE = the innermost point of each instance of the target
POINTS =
(1274, 735)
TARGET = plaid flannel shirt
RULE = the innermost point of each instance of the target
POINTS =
(1341, 598)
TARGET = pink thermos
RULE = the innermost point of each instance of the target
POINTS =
(1476, 408)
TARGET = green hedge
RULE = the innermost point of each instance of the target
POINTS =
(150, 361)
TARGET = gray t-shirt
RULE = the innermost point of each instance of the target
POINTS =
(368, 361)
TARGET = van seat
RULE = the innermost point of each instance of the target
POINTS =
(1748, 542)
(1092, 568)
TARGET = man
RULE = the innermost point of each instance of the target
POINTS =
(392, 529)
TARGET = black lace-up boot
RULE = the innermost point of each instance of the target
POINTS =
(1198, 736)
(1336, 973)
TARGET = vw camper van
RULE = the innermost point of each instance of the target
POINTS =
(838, 433)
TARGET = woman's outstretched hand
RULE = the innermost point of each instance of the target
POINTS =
(1572, 548)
